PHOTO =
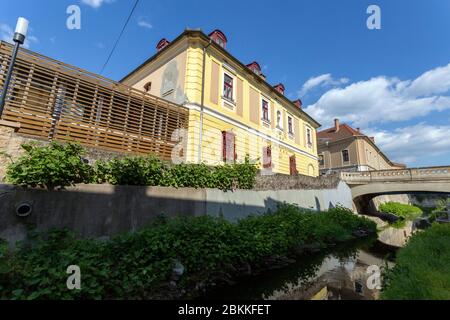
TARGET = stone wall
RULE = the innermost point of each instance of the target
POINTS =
(106, 210)
(11, 141)
(10, 145)
(285, 182)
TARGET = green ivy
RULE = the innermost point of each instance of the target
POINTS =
(140, 265)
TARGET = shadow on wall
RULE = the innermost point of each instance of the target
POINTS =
(102, 211)
(98, 211)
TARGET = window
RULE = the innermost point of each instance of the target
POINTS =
(321, 160)
(293, 166)
(279, 122)
(220, 42)
(358, 287)
(345, 156)
(267, 157)
(265, 110)
(290, 125)
(229, 147)
(227, 87)
(148, 87)
(309, 137)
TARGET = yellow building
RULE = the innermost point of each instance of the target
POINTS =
(233, 111)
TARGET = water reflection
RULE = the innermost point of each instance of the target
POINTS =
(340, 273)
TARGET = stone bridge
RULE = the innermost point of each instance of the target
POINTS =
(367, 185)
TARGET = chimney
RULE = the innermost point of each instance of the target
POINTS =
(336, 125)
(280, 88)
(162, 44)
(298, 103)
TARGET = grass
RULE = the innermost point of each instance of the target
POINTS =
(422, 270)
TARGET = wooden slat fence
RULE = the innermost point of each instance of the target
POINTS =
(55, 101)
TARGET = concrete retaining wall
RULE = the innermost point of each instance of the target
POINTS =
(105, 210)
(235, 205)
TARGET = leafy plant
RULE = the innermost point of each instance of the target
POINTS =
(404, 211)
(139, 171)
(140, 265)
(149, 171)
(58, 165)
(50, 166)
(422, 270)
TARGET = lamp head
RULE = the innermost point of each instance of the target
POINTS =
(21, 30)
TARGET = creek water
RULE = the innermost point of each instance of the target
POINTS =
(344, 272)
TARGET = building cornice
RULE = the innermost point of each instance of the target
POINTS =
(205, 39)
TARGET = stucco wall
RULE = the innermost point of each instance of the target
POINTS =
(105, 210)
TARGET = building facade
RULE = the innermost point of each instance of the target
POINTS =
(343, 148)
(233, 111)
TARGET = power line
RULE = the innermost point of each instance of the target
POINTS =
(120, 36)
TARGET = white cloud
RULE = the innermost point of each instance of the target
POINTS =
(413, 143)
(144, 23)
(7, 33)
(382, 99)
(96, 3)
(322, 80)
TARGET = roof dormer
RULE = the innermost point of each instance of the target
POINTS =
(280, 88)
(162, 44)
(219, 37)
(298, 103)
(255, 67)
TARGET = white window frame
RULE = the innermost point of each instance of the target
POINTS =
(309, 144)
(269, 120)
(291, 134)
(227, 103)
(279, 126)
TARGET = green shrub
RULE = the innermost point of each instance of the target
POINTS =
(422, 270)
(139, 265)
(140, 171)
(50, 166)
(149, 171)
(404, 211)
(58, 165)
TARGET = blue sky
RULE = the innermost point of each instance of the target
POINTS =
(393, 83)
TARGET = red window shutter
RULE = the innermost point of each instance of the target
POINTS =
(228, 147)
(224, 146)
(293, 166)
(267, 157)
(234, 148)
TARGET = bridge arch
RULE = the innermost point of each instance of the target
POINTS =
(363, 194)
(367, 185)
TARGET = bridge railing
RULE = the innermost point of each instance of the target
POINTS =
(413, 174)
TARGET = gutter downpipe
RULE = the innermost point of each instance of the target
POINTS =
(200, 135)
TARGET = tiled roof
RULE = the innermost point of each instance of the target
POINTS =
(345, 131)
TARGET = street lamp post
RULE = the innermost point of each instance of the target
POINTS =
(19, 38)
